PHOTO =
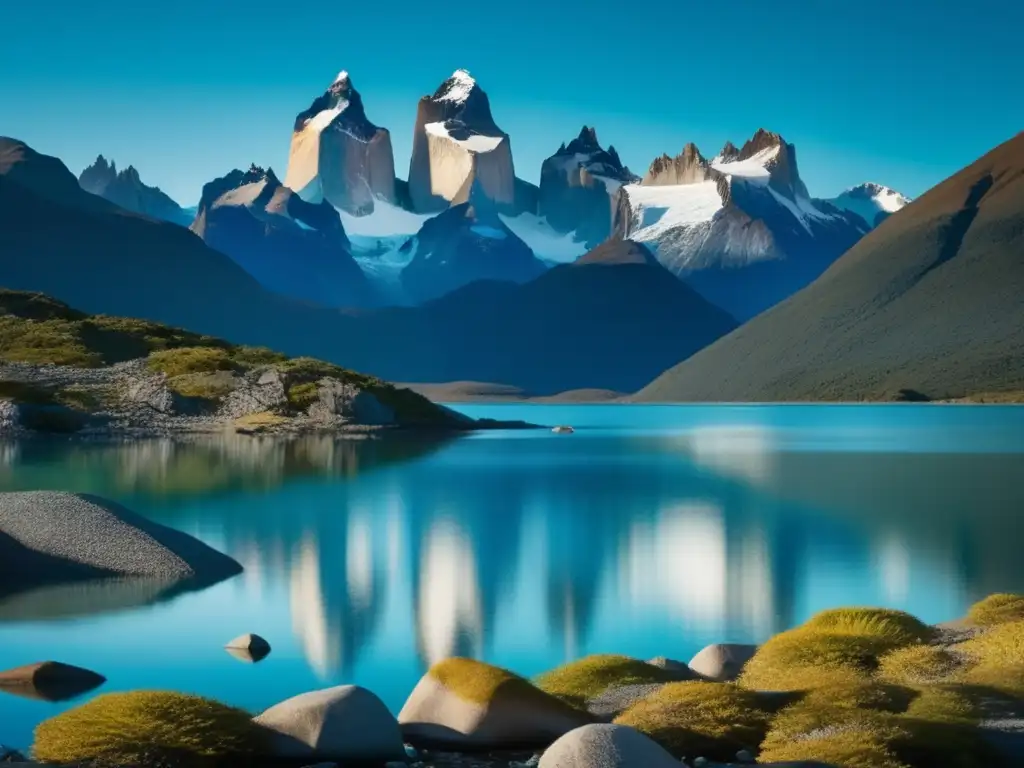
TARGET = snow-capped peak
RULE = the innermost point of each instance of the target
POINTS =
(456, 88)
(872, 202)
(342, 78)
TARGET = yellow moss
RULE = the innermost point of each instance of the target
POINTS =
(260, 420)
(943, 704)
(997, 658)
(699, 718)
(479, 682)
(997, 609)
(582, 680)
(176, 362)
(896, 626)
(850, 745)
(918, 664)
(143, 727)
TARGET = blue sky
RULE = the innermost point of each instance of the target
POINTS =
(902, 92)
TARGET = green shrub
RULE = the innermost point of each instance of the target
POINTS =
(251, 357)
(579, 681)
(177, 362)
(700, 718)
(148, 728)
(301, 396)
(44, 341)
(997, 609)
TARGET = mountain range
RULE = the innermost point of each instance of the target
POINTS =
(929, 305)
(596, 279)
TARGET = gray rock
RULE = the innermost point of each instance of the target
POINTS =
(48, 536)
(346, 403)
(260, 390)
(722, 662)
(10, 418)
(615, 700)
(152, 391)
(678, 669)
(606, 746)
(342, 723)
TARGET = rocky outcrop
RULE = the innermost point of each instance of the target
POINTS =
(578, 186)
(456, 145)
(338, 155)
(466, 243)
(48, 537)
(722, 662)
(125, 188)
(291, 246)
(346, 723)
(741, 227)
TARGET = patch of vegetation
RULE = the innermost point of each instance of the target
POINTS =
(996, 659)
(212, 387)
(857, 740)
(257, 422)
(700, 718)
(898, 626)
(252, 357)
(997, 609)
(579, 681)
(184, 360)
(149, 728)
(480, 683)
(81, 398)
(917, 664)
(301, 396)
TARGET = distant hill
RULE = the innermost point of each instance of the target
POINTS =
(930, 305)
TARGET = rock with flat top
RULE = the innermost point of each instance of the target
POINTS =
(722, 662)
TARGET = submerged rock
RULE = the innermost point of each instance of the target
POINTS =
(249, 647)
(49, 681)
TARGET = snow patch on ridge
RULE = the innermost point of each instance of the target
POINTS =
(477, 143)
(321, 120)
(543, 240)
(753, 168)
(661, 209)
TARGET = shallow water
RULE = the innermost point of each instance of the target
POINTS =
(653, 530)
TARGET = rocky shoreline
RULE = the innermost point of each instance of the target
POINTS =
(130, 399)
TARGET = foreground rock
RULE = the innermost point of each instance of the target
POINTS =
(469, 704)
(49, 536)
(722, 662)
(342, 723)
(606, 746)
(49, 681)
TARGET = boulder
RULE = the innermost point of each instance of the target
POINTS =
(462, 703)
(50, 536)
(259, 391)
(606, 746)
(249, 647)
(722, 662)
(677, 669)
(342, 723)
(49, 681)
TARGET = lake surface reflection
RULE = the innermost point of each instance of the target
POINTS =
(650, 531)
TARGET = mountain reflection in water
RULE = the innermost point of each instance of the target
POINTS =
(366, 561)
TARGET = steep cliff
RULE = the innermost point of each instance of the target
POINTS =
(578, 186)
(338, 155)
(126, 189)
(457, 144)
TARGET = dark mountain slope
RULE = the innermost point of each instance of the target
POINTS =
(931, 302)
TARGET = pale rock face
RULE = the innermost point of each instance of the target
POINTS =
(578, 186)
(872, 202)
(338, 155)
(741, 227)
(457, 144)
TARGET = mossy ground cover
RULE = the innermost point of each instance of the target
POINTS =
(580, 681)
(481, 683)
(149, 728)
(37, 329)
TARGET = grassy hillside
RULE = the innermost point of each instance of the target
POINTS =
(37, 329)
(928, 306)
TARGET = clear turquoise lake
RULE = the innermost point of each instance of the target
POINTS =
(652, 530)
